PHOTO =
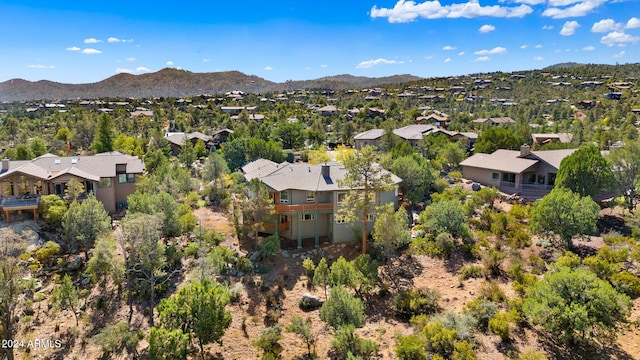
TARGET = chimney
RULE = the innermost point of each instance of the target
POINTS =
(325, 171)
(525, 150)
(5, 164)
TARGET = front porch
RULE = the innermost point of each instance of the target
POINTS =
(19, 204)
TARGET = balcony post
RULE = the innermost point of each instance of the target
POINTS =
(316, 230)
(299, 230)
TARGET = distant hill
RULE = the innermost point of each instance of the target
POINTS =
(565, 65)
(178, 83)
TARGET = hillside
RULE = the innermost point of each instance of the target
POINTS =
(177, 83)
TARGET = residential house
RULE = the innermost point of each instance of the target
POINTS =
(529, 173)
(110, 176)
(177, 139)
(236, 110)
(412, 134)
(329, 110)
(434, 119)
(368, 138)
(495, 121)
(220, 136)
(307, 199)
(542, 139)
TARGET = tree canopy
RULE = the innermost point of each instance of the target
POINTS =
(585, 172)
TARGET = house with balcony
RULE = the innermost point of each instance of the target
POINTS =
(531, 174)
(109, 176)
(308, 198)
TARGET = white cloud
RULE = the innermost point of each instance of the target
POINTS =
(268, 68)
(323, 66)
(578, 9)
(529, 2)
(618, 38)
(524, 46)
(124, 70)
(206, 60)
(142, 69)
(495, 50)
(73, 48)
(408, 10)
(461, 53)
(538, 58)
(605, 25)
(169, 63)
(428, 57)
(482, 58)
(92, 41)
(113, 40)
(370, 63)
(131, 59)
(90, 51)
(633, 23)
(447, 60)
(619, 55)
(588, 48)
(547, 27)
(41, 66)
(486, 28)
(448, 48)
(569, 28)
(538, 46)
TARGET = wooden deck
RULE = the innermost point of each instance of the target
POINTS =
(283, 208)
(14, 204)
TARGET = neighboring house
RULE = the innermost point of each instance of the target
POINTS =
(328, 110)
(110, 176)
(307, 198)
(177, 139)
(434, 119)
(236, 110)
(368, 138)
(529, 173)
(495, 121)
(220, 136)
(542, 139)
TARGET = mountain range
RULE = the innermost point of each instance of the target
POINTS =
(171, 82)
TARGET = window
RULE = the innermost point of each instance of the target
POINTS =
(495, 176)
(284, 197)
(531, 179)
(371, 217)
(541, 179)
(340, 219)
(284, 219)
(122, 178)
(308, 217)
(7, 188)
(311, 196)
(341, 197)
(552, 179)
(104, 183)
(131, 178)
(509, 177)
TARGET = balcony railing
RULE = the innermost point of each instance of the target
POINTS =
(20, 203)
(284, 208)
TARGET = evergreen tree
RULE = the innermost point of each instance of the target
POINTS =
(105, 135)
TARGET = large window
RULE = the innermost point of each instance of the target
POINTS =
(126, 178)
(311, 196)
(341, 198)
(308, 217)
(284, 197)
(509, 177)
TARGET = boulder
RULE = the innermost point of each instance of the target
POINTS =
(75, 264)
(310, 302)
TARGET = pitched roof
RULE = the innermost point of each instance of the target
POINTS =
(300, 176)
(553, 157)
(93, 168)
(500, 160)
(372, 134)
(496, 120)
(561, 137)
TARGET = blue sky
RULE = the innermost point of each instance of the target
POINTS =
(85, 41)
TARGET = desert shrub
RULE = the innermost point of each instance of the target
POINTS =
(521, 279)
(492, 291)
(235, 292)
(518, 238)
(52, 208)
(168, 345)
(439, 339)
(445, 244)
(410, 348)
(463, 350)
(409, 303)
(424, 246)
(499, 324)
(569, 259)
(46, 253)
(244, 265)
(627, 283)
(520, 212)
(268, 341)
(491, 260)
(270, 245)
(187, 222)
(342, 309)
(115, 339)
(349, 345)
(532, 355)
(470, 271)
(482, 310)
(192, 249)
(464, 324)
(309, 267)
(538, 266)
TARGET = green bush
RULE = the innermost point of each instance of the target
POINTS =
(499, 325)
(492, 291)
(446, 244)
(342, 309)
(464, 324)
(268, 340)
(309, 268)
(410, 348)
(520, 212)
(532, 355)
(424, 246)
(52, 208)
(470, 272)
(349, 345)
(46, 253)
(409, 303)
(463, 350)
(270, 245)
(482, 310)
(627, 283)
(168, 345)
(115, 339)
(187, 222)
(439, 339)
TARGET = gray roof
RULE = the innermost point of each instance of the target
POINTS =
(562, 137)
(500, 160)
(259, 168)
(301, 176)
(496, 120)
(178, 138)
(94, 167)
(553, 157)
(418, 131)
(373, 134)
